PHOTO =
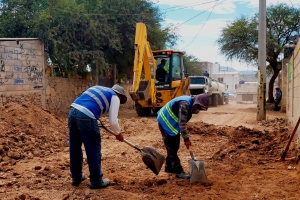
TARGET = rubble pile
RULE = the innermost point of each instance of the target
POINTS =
(273, 123)
(253, 143)
(241, 140)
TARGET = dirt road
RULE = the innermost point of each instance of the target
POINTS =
(235, 114)
(236, 149)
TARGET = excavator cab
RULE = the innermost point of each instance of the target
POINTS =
(172, 72)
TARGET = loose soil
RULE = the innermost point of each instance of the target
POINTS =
(238, 152)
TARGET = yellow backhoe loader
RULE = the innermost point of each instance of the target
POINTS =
(159, 76)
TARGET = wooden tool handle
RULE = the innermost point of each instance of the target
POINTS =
(290, 140)
(113, 133)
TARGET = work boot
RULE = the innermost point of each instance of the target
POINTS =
(104, 183)
(170, 170)
(183, 175)
(76, 182)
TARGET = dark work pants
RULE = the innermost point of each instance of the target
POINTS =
(276, 107)
(83, 129)
(172, 144)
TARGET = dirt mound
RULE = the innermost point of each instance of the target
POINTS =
(28, 131)
(205, 129)
(243, 143)
(273, 123)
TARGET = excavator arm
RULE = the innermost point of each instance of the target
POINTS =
(148, 93)
(143, 86)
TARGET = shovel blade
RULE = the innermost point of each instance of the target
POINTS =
(197, 171)
(152, 159)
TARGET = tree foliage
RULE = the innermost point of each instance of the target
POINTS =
(239, 39)
(192, 65)
(81, 32)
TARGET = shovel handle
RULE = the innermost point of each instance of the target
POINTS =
(113, 133)
(191, 153)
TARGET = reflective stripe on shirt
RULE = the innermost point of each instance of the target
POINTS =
(96, 99)
(83, 110)
(103, 97)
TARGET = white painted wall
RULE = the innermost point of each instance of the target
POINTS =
(230, 79)
(215, 68)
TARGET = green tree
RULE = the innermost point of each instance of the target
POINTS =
(239, 39)
(192, 65)
(77, 33)
(124, 15)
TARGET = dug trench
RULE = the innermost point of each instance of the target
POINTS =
(239, 161)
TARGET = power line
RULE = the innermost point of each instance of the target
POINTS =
(204, 23)
(200, 13)
(292, 3)
(166, 10)
(173, 7)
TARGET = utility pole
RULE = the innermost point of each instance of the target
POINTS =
(262, 30)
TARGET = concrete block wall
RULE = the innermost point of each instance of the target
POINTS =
(293, 90)
(283, 84)
(22, 63)
(23, 79)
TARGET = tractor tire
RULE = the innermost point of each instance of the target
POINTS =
(221, 100)
(156, 110)
(215, 100)
(142, 111)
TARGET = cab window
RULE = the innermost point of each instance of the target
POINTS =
(176, 69)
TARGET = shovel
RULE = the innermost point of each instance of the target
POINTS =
(197, 170)
(283, 156)
(152, 158)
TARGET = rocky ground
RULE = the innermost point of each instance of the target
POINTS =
(238, 152)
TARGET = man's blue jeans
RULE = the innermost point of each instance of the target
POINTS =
(83, 129)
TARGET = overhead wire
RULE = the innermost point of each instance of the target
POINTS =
(177, 6)
(291, 3)
(217, 3)
(185, 6)
(200, 13)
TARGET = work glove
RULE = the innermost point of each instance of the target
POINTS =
(120, 137)
(187, 143)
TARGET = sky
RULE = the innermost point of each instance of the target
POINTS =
(199, 24)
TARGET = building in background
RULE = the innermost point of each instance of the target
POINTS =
(229, 76)
(226, 75)
(247, 92)
(248, 75)
(207, 66)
